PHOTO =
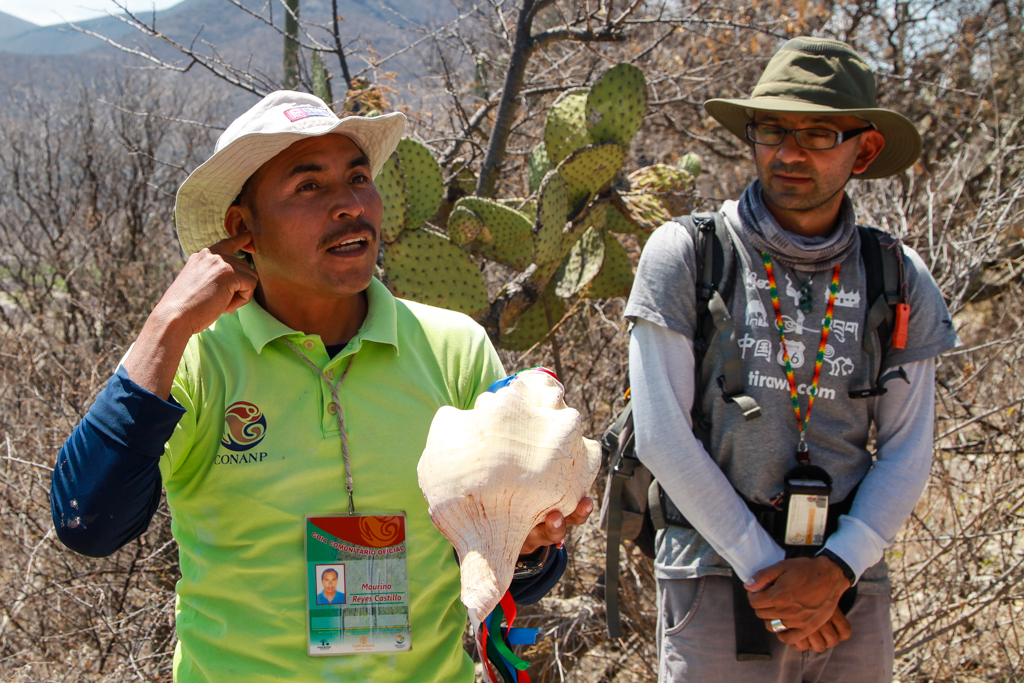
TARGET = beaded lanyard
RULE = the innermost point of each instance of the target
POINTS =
(802, 453)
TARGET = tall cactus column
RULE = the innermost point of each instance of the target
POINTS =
(291, 45)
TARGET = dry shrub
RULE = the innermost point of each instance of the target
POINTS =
(87, 246)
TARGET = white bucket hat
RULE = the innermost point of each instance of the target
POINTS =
(254, 138)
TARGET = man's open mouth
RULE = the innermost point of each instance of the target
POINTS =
(352, 244)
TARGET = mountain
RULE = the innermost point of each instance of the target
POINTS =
(219, 23)
(11, 27)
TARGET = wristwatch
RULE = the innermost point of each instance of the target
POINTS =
(532, 564)
(841, 563)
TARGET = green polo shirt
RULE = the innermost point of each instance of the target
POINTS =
(259, 448)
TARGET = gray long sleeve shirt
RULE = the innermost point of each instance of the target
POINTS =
(749, 459)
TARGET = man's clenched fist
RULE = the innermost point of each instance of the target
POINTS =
(212, 283)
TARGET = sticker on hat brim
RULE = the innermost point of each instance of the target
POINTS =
(307, 111)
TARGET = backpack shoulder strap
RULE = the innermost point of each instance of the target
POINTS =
(716, 266)
(882, 255)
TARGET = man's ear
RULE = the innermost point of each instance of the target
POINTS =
(870, 144)
(237, 220)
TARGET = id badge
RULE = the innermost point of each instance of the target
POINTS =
(357, 595)
(807, 511)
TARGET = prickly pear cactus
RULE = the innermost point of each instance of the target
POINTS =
(537, 166)
(426, 267)
(505, 234)
(566, 228)
(616, 105)
(566, 127)
(616, 275)
(424, 183)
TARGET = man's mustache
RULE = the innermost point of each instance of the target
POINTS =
(791, 169)
(351, 227)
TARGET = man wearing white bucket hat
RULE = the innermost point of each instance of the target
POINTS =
(285, 399)
(771, 523)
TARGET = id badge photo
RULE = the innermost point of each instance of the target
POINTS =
(357, 595)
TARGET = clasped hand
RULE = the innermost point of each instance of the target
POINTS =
(804, 593)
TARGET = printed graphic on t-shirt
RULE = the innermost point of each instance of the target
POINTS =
(761, 347)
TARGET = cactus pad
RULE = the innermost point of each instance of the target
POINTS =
(532, 325)
(566, 127)
(616, 222)
(425, 267)
(671, 185)
(391, 187)
(616, 276)
(616, 105)
(644, 211)
(589, 170)
(537, 166)
(506, 232)
(582, 264)
(424, 183)
(552, 213)
(463, 225)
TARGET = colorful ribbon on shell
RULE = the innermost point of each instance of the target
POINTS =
(494, 642)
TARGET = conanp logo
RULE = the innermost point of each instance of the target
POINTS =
(244, 426)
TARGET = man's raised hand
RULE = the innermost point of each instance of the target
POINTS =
(212, 283)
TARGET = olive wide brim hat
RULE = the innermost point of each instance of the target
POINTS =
(824, 76)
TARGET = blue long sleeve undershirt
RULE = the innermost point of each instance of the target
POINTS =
(106, 484)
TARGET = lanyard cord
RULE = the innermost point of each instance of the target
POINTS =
(801, 449)
(341, 419)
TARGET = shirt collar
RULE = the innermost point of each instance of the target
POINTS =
(381, 324)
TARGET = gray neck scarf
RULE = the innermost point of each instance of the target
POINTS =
(814, 254)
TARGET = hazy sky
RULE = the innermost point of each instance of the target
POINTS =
(44, 12)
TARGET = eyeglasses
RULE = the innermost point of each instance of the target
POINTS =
(816, 139)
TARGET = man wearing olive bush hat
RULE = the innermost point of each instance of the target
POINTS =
(770, 567)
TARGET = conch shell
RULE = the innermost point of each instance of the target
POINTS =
(492, 473)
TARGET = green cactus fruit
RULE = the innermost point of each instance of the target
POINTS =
(590, 170)
(616, 276)
(391, 187)
(424, 183)
(644, 211)
(691, 164)
(552, 213)
(321, 79)
(537, 166)
(505, 235)
(617, 104)
(617, 223)
(581, 265)
(532, 325)
(463, 225)
(425, 267)
(669, 184)
(566, 127)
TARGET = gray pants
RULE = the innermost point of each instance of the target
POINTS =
(697, 641)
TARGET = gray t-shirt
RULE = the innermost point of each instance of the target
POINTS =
(756, 455)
